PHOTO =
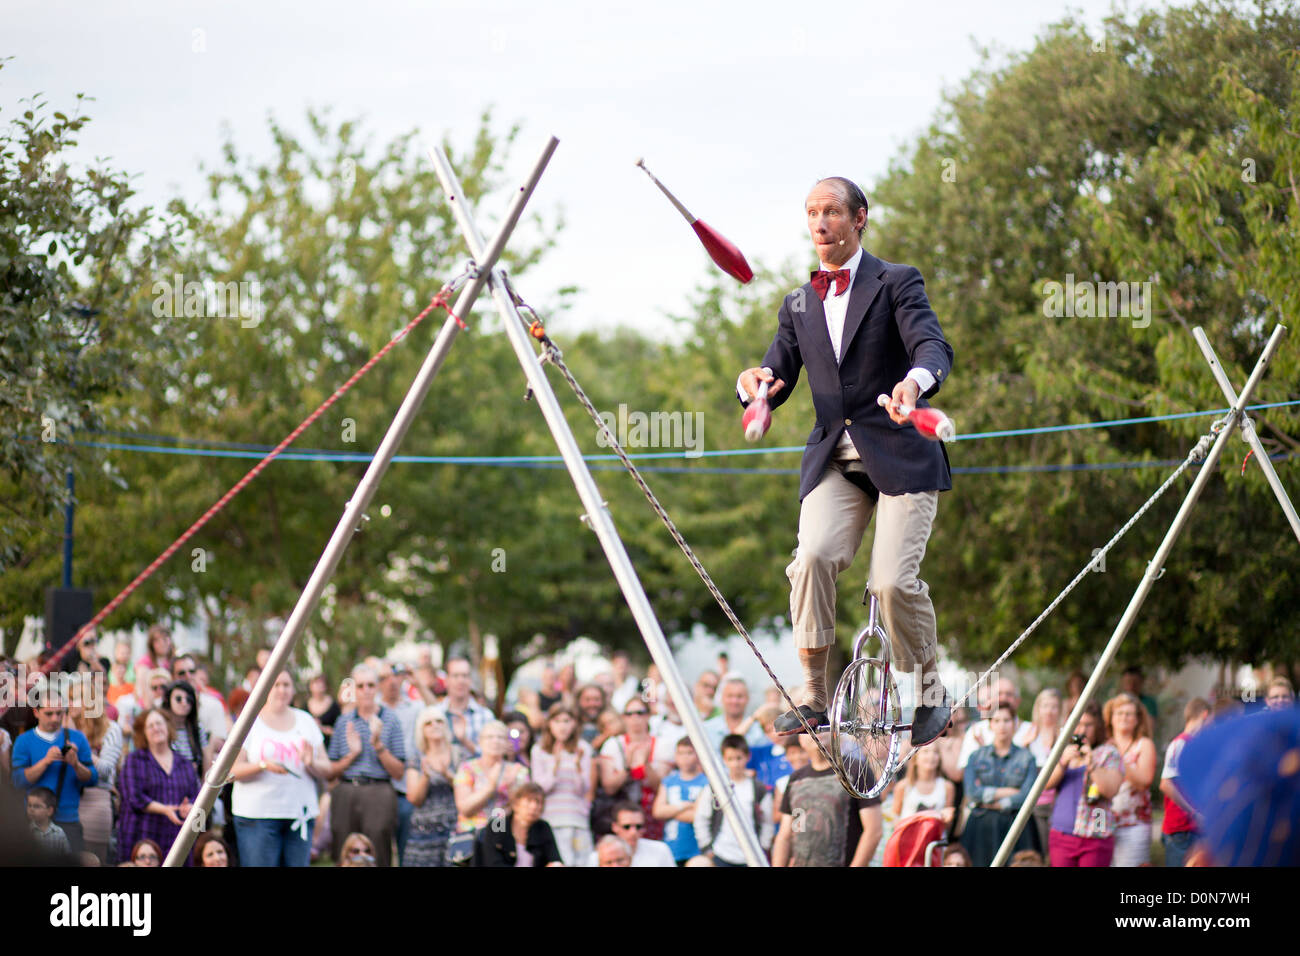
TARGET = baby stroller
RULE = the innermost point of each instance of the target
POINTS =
(917, 841)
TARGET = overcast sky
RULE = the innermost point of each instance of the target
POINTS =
(738, 107)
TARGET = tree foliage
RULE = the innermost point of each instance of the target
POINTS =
(72, 250)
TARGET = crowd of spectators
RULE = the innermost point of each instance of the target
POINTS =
(411, 766)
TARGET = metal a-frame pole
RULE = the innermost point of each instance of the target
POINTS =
(601, 522)
(1248, 431)
(353, 517)
(1153, 571)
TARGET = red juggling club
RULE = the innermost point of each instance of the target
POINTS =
(720, 249)
(758, 416)
(930, 422)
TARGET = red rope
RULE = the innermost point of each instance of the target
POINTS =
(438, 301)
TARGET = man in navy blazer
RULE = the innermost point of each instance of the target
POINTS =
(862, 327)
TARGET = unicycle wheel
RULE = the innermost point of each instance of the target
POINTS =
(864, 719)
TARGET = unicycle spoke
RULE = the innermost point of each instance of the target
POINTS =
(865, 722)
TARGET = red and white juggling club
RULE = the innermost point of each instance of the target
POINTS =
(758, 416)
(729, 259)
(930, 422)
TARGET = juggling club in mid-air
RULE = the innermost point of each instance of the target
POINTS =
(930, 422)
(721, 250)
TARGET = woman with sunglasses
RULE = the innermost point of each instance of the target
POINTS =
(357, 851)
(274, 803)
(633, 763)
(182, 705)
(430, 777)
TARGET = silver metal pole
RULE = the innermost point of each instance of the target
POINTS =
(353, 517)
(1248, 428)
(599, 518)
(1139, 596)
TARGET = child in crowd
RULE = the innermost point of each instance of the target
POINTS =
(753, 802)
(675, 802)
(40, 814)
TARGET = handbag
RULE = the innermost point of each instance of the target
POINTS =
(460, 848)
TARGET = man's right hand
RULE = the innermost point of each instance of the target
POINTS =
(354, 740)
(750, 378)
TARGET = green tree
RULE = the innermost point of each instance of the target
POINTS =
(72, 250)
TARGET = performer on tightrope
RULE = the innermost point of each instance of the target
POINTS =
(861, 327)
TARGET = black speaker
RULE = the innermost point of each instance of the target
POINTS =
(66, 610)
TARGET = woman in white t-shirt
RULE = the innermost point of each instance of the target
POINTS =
(924, 789)
(275, 799)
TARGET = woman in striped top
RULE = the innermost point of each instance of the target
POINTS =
(562, 766)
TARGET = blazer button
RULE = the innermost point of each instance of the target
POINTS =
(848, 421)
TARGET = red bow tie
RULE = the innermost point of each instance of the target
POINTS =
(821, 282)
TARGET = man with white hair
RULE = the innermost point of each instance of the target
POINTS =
(368, 752)
(734, 695)
(611, 851)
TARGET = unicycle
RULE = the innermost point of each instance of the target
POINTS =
(866, 717)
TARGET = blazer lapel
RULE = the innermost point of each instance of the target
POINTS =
(865, 286)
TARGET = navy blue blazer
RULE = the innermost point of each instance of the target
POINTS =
(889, 330)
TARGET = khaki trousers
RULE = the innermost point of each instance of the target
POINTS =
(832, 521)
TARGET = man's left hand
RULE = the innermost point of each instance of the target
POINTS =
(906, 393)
